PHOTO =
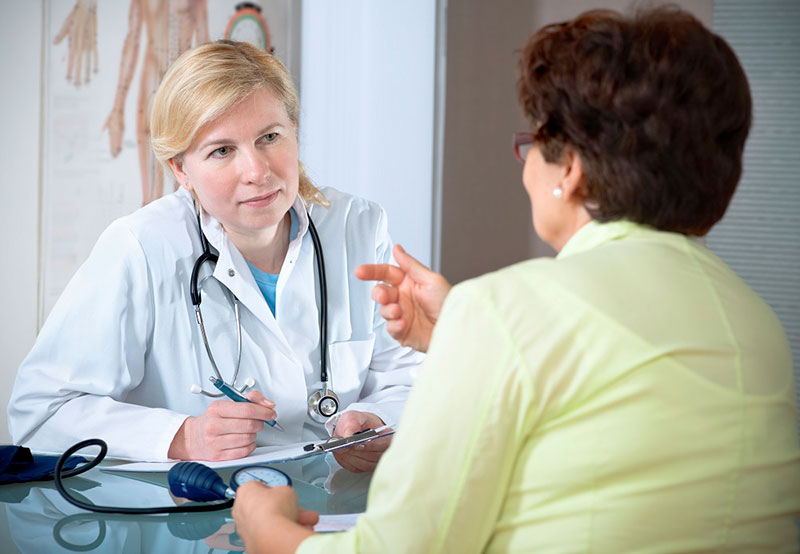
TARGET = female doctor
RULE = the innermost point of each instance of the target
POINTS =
(123, 351)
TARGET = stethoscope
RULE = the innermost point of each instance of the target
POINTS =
(322, 404)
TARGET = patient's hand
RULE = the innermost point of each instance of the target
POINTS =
(411, 297)
(269, 519)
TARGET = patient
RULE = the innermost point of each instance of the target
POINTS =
(632, 394)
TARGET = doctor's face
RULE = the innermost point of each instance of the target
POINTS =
(243, 165)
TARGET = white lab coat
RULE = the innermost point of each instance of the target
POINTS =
(121, 348)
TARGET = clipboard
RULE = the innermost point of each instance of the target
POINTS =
(265, 454)
(335, 443)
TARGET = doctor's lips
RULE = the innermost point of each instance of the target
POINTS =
(262, 199)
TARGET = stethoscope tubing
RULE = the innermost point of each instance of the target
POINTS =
(194, 291)
(323, 301)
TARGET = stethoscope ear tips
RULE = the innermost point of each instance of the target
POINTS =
(249, 383)
(196, 389)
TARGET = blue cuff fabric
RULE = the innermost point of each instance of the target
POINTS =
(18, 465)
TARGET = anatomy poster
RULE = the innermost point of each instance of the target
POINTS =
(103, 62)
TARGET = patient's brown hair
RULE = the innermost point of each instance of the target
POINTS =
(656, 105)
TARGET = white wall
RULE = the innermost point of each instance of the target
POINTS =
(20, 64)
(367, 96)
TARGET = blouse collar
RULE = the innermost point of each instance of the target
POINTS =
(595, 233)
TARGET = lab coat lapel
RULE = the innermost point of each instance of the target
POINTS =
(296, 295)
(233, 272)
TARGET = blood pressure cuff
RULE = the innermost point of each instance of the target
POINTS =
(18, 465)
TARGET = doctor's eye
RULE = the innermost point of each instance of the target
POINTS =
(270, 137)
(221, 152)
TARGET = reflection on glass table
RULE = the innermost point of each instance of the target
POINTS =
(37, 519)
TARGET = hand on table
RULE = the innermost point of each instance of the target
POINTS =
(364, 456)
(269, 519)
(411, 297)
(225, 431)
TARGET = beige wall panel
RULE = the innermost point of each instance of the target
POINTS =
(486, 221)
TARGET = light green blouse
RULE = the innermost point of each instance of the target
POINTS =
(632, 395)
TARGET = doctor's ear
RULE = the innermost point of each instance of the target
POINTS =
(176, 165)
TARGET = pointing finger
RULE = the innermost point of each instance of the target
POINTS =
(380, 272)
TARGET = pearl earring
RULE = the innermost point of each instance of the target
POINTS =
(558, 192)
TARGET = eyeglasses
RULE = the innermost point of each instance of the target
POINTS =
(523, 142)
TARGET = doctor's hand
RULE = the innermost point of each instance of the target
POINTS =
(269, 520)
(225, 431)
(364, 456)
(411, 297)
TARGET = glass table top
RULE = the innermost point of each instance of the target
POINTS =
(35, 518)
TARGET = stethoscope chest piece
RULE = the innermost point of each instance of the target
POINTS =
(323, 404)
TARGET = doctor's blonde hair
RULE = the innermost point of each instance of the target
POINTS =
(206, 81)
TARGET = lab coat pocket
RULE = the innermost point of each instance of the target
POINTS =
(348, 366)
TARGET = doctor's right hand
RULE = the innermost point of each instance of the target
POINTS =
(411, 297)
(225, 431)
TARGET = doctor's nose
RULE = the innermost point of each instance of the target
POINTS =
(255, 168)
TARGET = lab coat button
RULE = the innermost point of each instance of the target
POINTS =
(231, 273)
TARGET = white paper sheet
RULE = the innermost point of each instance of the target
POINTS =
(332, 523)
(261, 455)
